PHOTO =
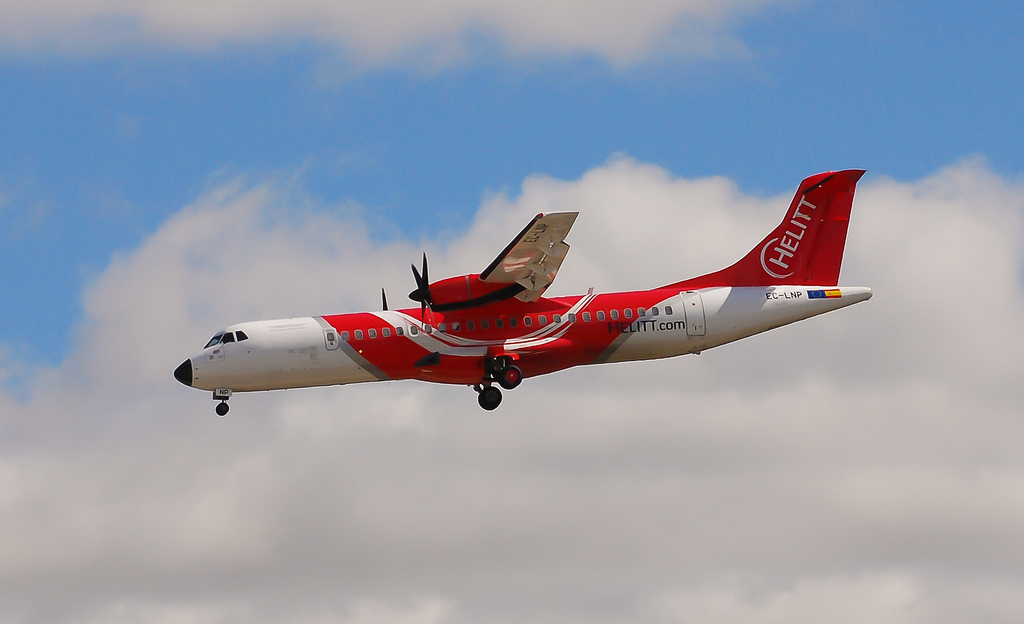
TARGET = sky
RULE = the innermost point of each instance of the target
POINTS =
(167, 171)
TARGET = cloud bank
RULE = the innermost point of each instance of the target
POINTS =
(374, 32)
(863, 466)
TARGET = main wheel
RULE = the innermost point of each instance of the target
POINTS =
(510, 377)
(489, 398)
(222, 408)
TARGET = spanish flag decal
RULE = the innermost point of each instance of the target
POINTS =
(824, 294)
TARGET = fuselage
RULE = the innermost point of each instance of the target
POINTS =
(540, 337)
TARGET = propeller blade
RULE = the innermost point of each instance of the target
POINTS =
(417, 294)
(422, 292)
(427, 300)
(416, 276)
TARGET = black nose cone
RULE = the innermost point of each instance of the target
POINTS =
(184, 372)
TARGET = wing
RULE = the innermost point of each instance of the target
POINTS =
(532, 258)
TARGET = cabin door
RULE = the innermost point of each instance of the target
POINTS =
(693, 308)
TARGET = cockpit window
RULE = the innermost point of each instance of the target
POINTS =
(241, 336)
(216, 340)
(228, 337)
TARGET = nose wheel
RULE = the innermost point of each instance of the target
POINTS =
(222, 395)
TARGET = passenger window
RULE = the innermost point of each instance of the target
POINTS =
(586, 317)
(512, 322)
(641, 312)
(498, 323)
(428, 329)
(399, 331)
(600, 315)
(628, 312)
(373, 333)
(654, 311)
(484, 325)
(455, 326)
(359, 334)
(413, 330)
(442, 327)
(241, 336)
(615, 314)
(470, 326)
(229, 337)
(557, 318)
(386, 332)
(344, 336)
(527, 321)
(572, 318)
(668, 310)
(543, 320)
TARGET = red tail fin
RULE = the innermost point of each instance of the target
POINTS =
(806, 248)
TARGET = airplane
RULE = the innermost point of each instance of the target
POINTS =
(492, 329)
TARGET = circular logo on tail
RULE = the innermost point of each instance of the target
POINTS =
(779, 261)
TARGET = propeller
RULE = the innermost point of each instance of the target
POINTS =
(422, 292)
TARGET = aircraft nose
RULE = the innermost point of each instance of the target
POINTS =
(184, 372)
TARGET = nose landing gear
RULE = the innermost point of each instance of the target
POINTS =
(222, 395)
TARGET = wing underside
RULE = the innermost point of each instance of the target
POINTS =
(532, 260)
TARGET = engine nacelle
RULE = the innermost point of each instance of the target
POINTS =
(468, 291)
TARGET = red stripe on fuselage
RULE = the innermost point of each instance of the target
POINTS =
(537, 348)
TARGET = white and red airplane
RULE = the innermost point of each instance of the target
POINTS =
(496, 328)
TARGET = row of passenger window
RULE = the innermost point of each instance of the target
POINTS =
(542, 320)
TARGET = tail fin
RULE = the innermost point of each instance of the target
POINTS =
(806, 248)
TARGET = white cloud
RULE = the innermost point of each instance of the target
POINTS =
(376, 32)
(892, 597)
(864, 463)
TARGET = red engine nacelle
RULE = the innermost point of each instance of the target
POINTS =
(468, 291)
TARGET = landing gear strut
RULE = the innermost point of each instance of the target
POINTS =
(222, 395)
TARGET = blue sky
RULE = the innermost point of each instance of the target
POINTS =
(97, 148)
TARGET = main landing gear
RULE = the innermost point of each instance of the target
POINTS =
(222, 395)
(502, 370)
(488, 397)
